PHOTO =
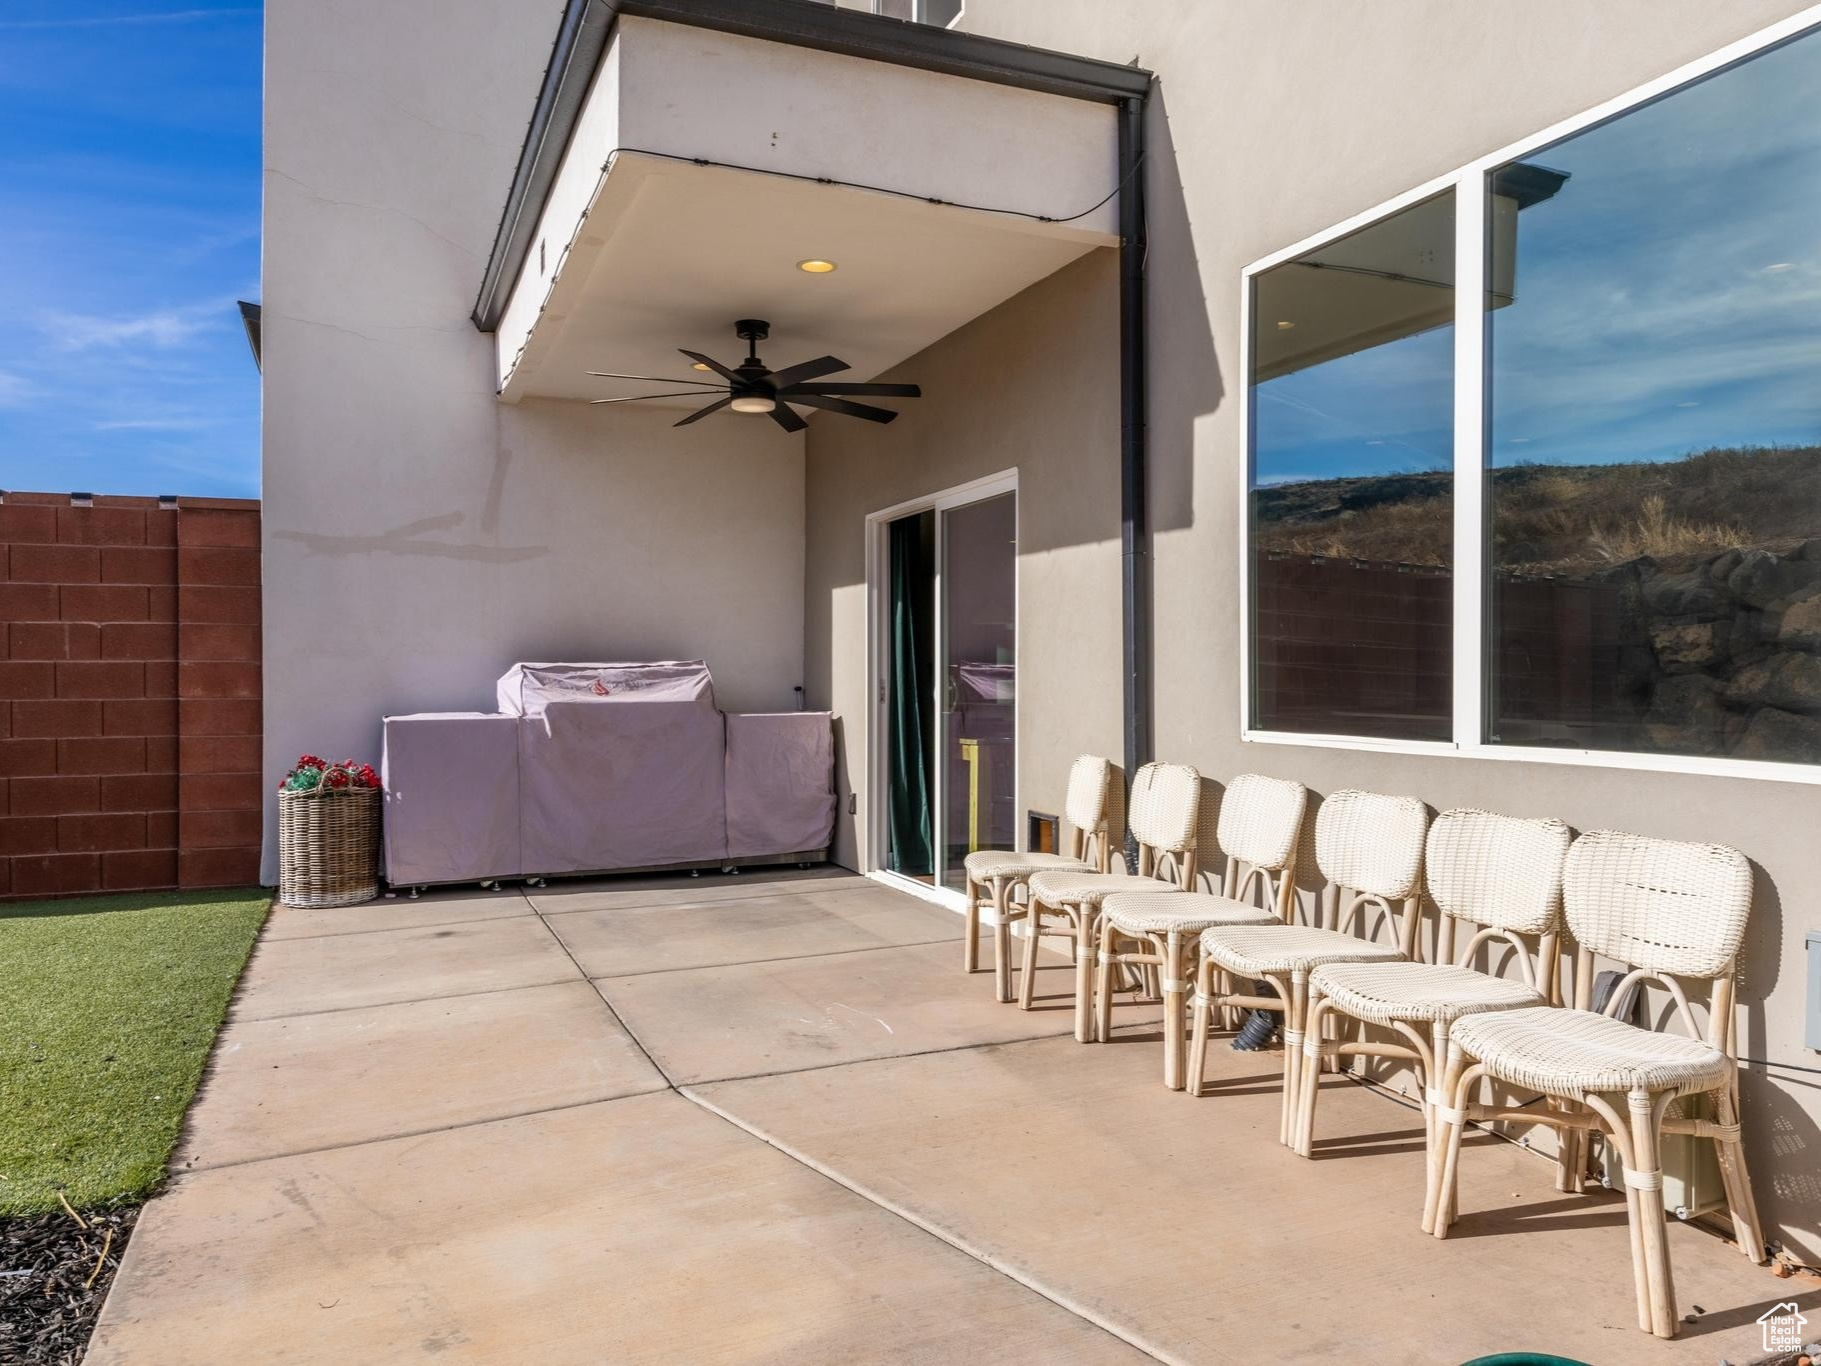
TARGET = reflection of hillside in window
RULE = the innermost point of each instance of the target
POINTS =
(1654, 429)
(1352, 503)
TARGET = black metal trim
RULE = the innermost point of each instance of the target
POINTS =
(249, 319)
(1134, 510)
(582, 38)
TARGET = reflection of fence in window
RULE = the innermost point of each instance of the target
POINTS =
(1557, 675)
(1353, 647)
(1715, 654)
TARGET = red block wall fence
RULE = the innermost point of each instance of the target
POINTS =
(129, 694)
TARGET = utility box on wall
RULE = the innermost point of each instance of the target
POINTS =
(1811, 1034)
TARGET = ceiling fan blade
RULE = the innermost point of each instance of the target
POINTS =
(697, 416)
(786, 419)
(635, 398)
(842, 406)
(653, 379)
(874, 390)
(712, 364)
(809, 369)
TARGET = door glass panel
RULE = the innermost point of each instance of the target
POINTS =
(910, 637)
(979, 685)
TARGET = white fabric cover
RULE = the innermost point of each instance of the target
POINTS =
(526, 689)
(780, 783)
(452, 797)
(621, 782)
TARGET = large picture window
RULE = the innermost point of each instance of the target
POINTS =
(1603, 539)
(1352, 482)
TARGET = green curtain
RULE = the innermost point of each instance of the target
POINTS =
(911, 843)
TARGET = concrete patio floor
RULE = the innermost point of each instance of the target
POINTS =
(766, 1119)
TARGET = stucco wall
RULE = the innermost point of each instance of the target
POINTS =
(419, 536)
(1271, 123)
(1023, 387)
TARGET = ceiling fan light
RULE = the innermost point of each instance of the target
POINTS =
(753, 403)
(816, 266)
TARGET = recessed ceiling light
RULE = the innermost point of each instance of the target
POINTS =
(700, 366)
(816, 266)
(1284, 325)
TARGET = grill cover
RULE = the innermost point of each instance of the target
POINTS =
(526, 689)
(780, 783)
(452, 797)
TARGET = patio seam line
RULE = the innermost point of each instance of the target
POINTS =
(1012, 1273)
(612, 1014)
(755, 962)
(661, 1088)
(394, 929)
(1067, 1033)
(794, 958)
(835, 885)
(402, 1001)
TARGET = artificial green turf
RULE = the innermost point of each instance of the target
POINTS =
(108, 1007)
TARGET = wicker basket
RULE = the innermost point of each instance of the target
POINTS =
(328, 846)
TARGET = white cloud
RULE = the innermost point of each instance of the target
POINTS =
(14, 391)
(174, 423)
(163, 328)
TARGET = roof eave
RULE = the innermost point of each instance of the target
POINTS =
(587, 24)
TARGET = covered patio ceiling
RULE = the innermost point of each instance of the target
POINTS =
(673, 253)
(702, 166)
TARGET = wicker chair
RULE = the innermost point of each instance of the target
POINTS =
(1498, 873)
(1260, 821)
(1163, 807)
(994, 877)
(1665, 911)
(1370, 851)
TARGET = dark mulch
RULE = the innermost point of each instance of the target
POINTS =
(47, 1314)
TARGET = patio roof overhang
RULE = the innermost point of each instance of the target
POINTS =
(703, 165)
(861, 116)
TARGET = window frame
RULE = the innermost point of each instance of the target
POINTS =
(1469, 184)
(918, 8)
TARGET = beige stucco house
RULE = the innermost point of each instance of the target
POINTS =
(1211, 304)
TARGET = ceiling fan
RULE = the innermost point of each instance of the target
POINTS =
(753, 387)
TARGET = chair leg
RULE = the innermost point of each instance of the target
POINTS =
(1200, 1024)
(1002, 939)
(1434, 1100)
(970, 935)
(1568, 1155)
(1085, 945)
(1451, 1119)
(1174, 1003)
(1302, 1131)
(1737, 1179)
(1033, 929)
(1103, 983)
(1295, 1017)
(1647, 1179)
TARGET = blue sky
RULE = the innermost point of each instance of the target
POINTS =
(1668, 299)
(129, 226)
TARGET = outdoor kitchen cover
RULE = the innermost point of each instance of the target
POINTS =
(780, 783)
(452, 798)
(620, 765)
(526, 689)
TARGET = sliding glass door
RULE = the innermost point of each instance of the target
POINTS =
(980, 679)
(947, 684)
